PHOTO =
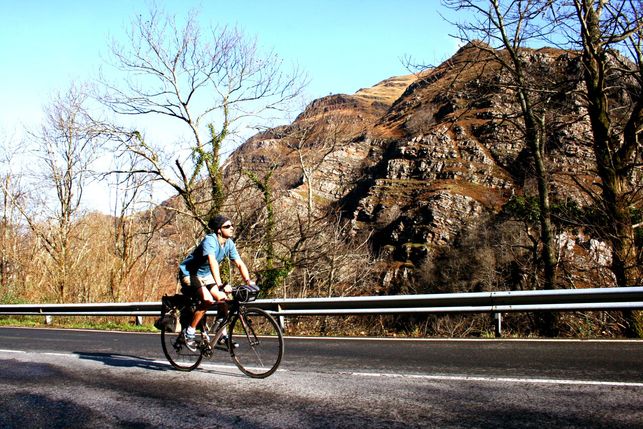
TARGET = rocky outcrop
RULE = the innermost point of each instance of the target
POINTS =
(417, 159)
(331, 138)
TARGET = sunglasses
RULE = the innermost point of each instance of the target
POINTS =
(227, 226)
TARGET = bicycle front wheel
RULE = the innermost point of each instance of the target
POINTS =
(177, 352)
(259, 343)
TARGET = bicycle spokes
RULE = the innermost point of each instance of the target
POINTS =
(177, 353)
(249, 331)
(260, 343)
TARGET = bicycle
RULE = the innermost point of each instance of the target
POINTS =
(255, 341)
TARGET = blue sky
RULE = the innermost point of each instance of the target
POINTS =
(342, 45)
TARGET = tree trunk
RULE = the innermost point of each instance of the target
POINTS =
(612, 155)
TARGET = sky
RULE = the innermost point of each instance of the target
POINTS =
(342, 45)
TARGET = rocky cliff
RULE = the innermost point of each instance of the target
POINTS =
(417, 160)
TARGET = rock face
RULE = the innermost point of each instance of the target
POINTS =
(417, 159)
(331, 137)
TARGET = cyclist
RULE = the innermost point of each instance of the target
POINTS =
(199, 272)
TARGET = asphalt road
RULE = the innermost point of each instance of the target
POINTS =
(64, 378)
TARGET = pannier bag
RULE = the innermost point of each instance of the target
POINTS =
(166, 323)
(170, 313)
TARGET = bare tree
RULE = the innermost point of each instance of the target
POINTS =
(133, 227)
(209, 83)
(507, 27)
(12, 194)
(314, 140)
(66, 146)
(614, 96)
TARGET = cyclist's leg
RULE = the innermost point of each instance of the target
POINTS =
(222, 315)
(178, 349)
(206, 301)
(198, 293)
(199, 289)
(222, 310)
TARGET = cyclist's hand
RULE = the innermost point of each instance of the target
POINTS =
(227, 288)
(219, 295)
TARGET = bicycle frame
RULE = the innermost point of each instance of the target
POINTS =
(254, 339)
(215, 331)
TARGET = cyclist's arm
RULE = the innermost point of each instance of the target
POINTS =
(217, 293)
(243, 270)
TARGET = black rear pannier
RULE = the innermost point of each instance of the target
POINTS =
(166, 323)
(173, 308)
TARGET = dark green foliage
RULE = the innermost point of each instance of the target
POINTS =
(270, 275)
(523, 208)
(269, 278)
(567, 214)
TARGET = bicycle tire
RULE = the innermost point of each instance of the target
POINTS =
(179, 356)
(259, 343)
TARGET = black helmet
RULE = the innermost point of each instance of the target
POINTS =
(215, 223)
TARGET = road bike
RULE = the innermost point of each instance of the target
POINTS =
(254, 339)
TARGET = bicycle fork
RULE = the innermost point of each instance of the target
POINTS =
(253, 340)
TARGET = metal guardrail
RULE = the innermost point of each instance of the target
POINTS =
(619, 298)
(95, 309)
(476, 302)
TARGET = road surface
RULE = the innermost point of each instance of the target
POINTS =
(67, 378)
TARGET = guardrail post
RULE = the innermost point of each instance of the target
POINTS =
(281, 320)
(49, 319)
(497, 321)
(139, 320)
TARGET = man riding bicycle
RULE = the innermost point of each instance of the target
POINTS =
(199, 272)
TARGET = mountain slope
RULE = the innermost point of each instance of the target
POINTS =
(416, 161)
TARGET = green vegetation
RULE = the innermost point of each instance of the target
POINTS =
(104, 324)
(11, 298)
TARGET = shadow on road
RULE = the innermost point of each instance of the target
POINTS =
(129, 361)
(125, 361)
(223, 372)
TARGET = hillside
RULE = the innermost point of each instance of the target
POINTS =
(353, 117)
(417, 163)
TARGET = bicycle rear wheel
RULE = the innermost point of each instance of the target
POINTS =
(177, 352)
(260, 343)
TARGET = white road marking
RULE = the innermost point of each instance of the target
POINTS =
(498, 379)
(465, 340)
